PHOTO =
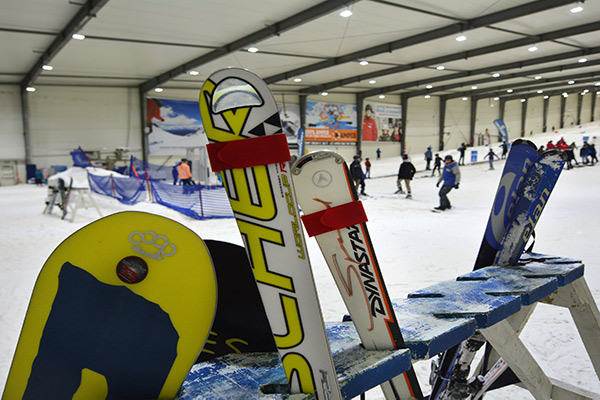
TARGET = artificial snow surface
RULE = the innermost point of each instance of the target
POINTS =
(415, 248)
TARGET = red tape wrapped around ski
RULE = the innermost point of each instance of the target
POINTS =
(246, 153)
(334, 218)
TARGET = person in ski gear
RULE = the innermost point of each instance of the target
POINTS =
(570, 153)
(378, 151)
(357, 175)
(368, 168)
(461, 150)
(561, 144)
(593, 154)
(541, 150)
(428, 157)
(175, 173)
(451, 179)
(405, 173)
(584, 153)
(185, 173)
(437, 164)
(504, 147)
(550, 145)
(369, 127)
(491, 156)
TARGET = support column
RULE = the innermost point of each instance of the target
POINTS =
(144, 125)
(443, 101)
(563, 105)
(360, 105)
(593, 93)
(579, 104)
(473, 119)
(26, 131)
(523, 117)
(545, 115)
(404, 105)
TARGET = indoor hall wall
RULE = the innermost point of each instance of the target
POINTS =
(512, 118)
(570, 117)
(423, 124)
(488, 111)
(95, 118)
(597, 109)
(534, 117)
(12, 141)
(586, 108)
(553, 122)
(457, 124)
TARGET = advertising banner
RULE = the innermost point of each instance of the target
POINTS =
(382, 122)
(330, 123)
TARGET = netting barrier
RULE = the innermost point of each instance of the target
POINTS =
(138, 168)
(195, 201)
(80, 159)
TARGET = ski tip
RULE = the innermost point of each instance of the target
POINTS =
(525, 142)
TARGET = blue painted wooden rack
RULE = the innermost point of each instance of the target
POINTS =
(496, 301)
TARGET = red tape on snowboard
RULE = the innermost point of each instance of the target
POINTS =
(334, 218)
(246, 153)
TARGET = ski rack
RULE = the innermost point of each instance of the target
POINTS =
(496, 301)
(78, 200)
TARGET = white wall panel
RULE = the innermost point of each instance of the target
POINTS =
(571, 110)
(553, 122)
(456, 127)
(534, 121)
(488, 111)
(12, 142)
(422, 128)
(512, 118)
(64, 118)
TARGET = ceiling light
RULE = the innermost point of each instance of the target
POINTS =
(538, 77)
(565, 94)
(440, 67)
(540, 91)
(429, 87)
(297, 80)
(496, 98)
(546, 97)
(253, 49)
(496, 75)
(372, 81)
(576, 9)
(465, 98)
(346, 12)
(158, 89)
(522, 100)
(47, 67)
(364, 62)
(582, 60)
(533, 48)
(78, 36)
(597, 84)
(509, 91)
(427, 96)
(194, 72)
(382, 96)
(324, 93)
(30, 89)
(461, 38)
(571, 82)
(473, 87)
(583, 93)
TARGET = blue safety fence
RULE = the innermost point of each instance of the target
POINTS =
(127, 190)
(138, 168)
(195, 201)
(80, 159)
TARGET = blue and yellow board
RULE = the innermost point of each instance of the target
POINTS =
(120, 310)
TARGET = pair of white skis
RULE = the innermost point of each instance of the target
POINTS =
(241, 120)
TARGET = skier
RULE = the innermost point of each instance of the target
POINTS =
(185, 174)
(378, 151)
(368, 168)
(369, 127)
(428, 157)
(570, 153)
(405, 173)
(451, 179)
(175, 173)
(437, 163)
(491, 156)
(550, 145)
(504, 147)
(584, 153)
(461, 150)
(357, 175)
(593, 154)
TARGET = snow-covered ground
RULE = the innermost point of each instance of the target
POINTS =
(415, 247)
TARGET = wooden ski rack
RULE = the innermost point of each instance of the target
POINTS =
(496, 301)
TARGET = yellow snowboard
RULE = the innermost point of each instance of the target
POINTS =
(120, 310)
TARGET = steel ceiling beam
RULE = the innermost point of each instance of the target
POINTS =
(591, 27)
(83, 16)
(545, 70)
(500, 16)
(276, 29)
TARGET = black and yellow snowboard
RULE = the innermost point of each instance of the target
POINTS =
(120, 310)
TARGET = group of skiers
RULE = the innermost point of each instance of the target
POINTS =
(587, 152)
